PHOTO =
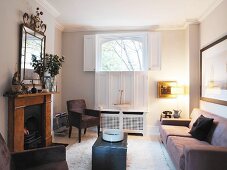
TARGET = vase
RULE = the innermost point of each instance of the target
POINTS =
(34, 90)
(52, 85)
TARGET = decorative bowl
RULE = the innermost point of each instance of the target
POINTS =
(113, 135)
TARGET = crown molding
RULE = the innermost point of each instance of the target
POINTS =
(171, 27)
(123, 28)
(49, 8)
(59, 26)
(210, 9)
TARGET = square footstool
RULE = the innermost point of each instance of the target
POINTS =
(109, 155)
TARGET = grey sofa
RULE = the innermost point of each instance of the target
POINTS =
(188, 153)
(48, 158)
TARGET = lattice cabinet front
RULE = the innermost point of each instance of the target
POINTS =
(131, 122)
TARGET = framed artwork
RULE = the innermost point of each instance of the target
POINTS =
(213, 72)
(165, 89)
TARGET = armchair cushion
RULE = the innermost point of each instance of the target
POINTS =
(54, 156)
(89, 121)
(76, 105)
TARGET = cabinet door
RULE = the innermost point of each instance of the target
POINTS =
(89, 52)
(154, 54)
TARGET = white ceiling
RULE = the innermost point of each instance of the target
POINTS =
(112, 14)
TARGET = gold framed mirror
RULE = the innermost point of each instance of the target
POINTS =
(32, 43)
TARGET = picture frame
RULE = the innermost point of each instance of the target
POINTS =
(213, 72)
(164, 89)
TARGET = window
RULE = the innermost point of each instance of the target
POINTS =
(122, 52)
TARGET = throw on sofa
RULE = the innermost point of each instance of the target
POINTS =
(36, 159)
(188, 153)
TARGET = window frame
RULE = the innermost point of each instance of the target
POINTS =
(102, 38)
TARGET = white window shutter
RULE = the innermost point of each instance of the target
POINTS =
(154, 54)
(89, 52)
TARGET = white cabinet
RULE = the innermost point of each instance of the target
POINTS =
(89, 52)
(154, 51)
(128, 121)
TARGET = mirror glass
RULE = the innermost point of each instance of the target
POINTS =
(32, 43)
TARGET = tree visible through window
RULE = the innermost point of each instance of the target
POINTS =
(122, 55)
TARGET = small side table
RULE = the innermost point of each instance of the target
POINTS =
(109, 155)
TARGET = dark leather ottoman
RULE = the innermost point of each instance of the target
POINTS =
(109, 155)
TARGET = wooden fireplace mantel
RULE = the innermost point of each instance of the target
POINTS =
(16, 108)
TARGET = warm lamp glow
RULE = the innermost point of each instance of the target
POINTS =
(178, 90)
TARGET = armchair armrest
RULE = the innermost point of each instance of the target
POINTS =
(175, 122)
(35, 157)
(92, 112)
(205, 157)
(75, 118)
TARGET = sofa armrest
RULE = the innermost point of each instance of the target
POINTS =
(205, 157)
(35, 157)
(175, 122)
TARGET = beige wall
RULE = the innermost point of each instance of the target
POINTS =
(192, 52)
(75, 82)
(11, 16)
(213, 27)
(57, 50)
(79, 84)
(174, 67)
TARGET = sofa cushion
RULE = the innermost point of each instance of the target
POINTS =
(201, 127)
(195, 115)
(218, 132)
(168, 130)
(61, 165)
(175, 146)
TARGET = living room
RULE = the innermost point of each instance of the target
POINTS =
(173, 34)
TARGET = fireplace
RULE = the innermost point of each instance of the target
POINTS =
(33, 127)
(29, 121)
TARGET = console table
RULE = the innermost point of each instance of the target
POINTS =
(109, 155)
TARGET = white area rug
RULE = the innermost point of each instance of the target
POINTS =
(144, 153)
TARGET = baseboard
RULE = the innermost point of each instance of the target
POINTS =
(152, 130)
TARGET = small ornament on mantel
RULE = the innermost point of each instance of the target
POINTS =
(16, 85)
(33, 89)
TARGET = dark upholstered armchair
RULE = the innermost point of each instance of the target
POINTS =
(81, 117)
(35, 159)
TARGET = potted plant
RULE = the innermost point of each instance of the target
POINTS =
(39, 68)
(53, 65)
